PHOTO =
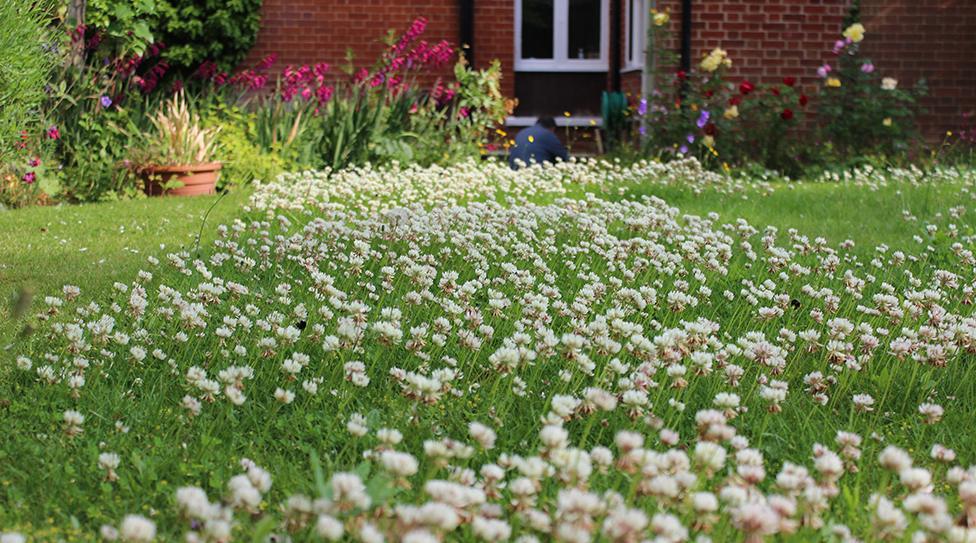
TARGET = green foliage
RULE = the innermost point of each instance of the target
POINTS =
(127, 25)
(766, 123)
(243, 160)
(27, 55)
(861, 112)
(195, 31)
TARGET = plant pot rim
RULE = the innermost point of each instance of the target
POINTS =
(173, 168)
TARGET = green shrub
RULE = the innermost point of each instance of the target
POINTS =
(243, 160)
(195, 31)
(26, 59)
(859, 110)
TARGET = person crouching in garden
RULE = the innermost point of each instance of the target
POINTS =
(537, 144)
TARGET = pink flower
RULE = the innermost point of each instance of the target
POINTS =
(823, 70)
(53, 132)
(30, 177)
(867, 67)
(34, 162)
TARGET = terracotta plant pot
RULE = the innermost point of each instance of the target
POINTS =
(196, 179)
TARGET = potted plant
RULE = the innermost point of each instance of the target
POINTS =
(177, 159)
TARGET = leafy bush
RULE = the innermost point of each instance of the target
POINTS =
(26, 59)
(222, 31)
(860, 111)
(700, 113)
(194, 31)
(243, 160)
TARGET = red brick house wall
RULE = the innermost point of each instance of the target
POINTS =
(931, 39)
(766, 39)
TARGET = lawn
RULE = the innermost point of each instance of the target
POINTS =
(93, 246)
(471, 354)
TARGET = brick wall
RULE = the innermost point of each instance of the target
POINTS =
(766, 39)
(310, 31)
(930, 39)
(494, 37)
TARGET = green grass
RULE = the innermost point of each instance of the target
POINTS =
(56, 489)
(92, 246)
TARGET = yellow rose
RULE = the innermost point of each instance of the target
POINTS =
(886, 121)
(732, 112)
(661, 19)
(716, 59)
(708, 141)
(833, 82)
(855, 32)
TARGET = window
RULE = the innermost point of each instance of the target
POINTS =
(635, 18)
(561, 35)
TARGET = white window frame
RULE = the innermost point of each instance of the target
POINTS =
(561, 62)
(634, 51)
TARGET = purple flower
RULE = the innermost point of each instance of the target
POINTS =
(690, 138)
(683, 149)
(642, 130)
(867, 67)
(839, 46)
(702, 120)
(642, 107)
(105, 101)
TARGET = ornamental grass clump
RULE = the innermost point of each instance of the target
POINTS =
(178, 137)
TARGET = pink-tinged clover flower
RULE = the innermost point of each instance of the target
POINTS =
(53, 132)
(34, 162)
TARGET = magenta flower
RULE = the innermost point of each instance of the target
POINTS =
(34, 162)
(823, 70)
(30, 177)
(53, 132)
(867, 67)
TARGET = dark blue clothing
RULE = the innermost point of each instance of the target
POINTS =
(536, 144)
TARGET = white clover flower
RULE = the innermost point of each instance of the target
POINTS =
(137, 529)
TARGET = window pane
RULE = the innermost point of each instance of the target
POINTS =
(537, 28)
(584, 29)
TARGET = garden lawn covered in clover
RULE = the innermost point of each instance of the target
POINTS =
(471, 353)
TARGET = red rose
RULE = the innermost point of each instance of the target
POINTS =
(708, 94)
(681, 74)
(787, 114)
(710, 129)
(746, 87)
(789, 81)
(775, 91)
(735, 100)
(803, 100)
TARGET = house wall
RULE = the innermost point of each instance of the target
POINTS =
(766, 39)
